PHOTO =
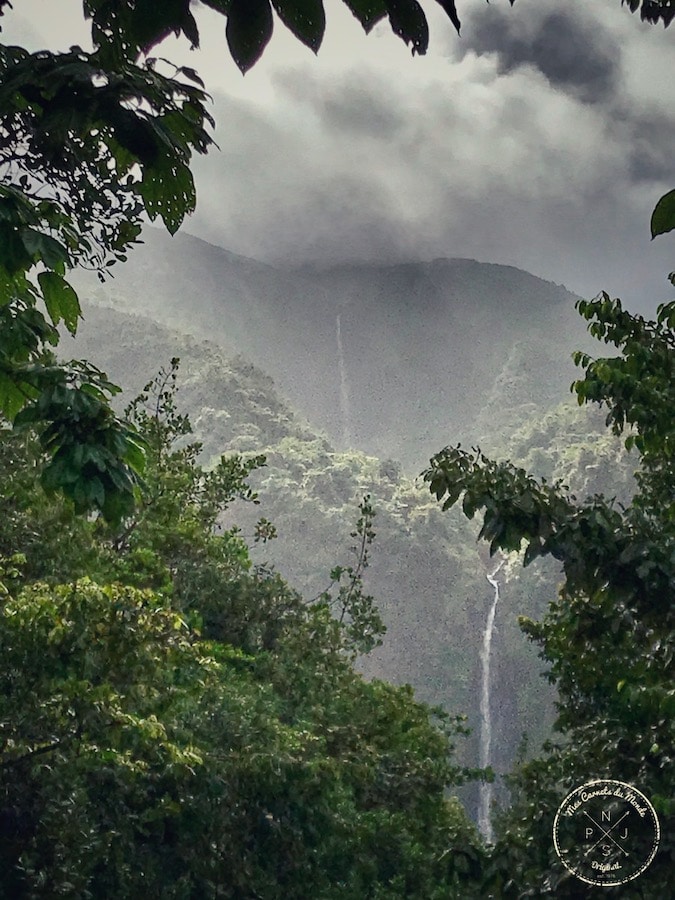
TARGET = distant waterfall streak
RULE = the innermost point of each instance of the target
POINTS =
(345, 406)
(485, 789)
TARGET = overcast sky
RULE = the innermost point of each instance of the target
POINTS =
(542, 138)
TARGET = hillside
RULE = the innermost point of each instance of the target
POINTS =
(396, 361)
(426, 574)
(311, 492)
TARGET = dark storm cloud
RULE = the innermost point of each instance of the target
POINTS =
(367, 153)
(652, 143)
(575, 56)
(405, 159)
(294, 203)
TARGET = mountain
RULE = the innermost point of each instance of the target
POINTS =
(348, 379)
(396, 360)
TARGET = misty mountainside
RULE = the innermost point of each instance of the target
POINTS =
(397, 360)
(426, 572)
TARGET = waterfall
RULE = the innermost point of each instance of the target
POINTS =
(485, 789)
(345, 408)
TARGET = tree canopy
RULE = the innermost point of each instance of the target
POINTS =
(179, 722)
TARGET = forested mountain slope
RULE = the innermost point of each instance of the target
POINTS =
(396, 360)
(426, 572)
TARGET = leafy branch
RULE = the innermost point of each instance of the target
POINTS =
(354, 610)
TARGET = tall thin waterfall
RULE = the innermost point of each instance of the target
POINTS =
(485, 789)
(345, 407)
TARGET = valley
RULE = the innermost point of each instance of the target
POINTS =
(348, 379)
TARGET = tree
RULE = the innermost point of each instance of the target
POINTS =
(652, 11)
(609, 638)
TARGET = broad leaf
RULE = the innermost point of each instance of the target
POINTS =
(663, 217)
(50, 251)
(409, 23)
(451, 11)
(12, 397)
(60, 299)
(249, 28)
(368, 12)
(168, 191)
(305, 18)
(154, 21)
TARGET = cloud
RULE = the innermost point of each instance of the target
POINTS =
(468, 162)
(549, 158)
(541, 138)
(350, 106)
(568, 48)
(652, 140)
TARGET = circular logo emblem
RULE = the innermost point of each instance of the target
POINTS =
(606, 832)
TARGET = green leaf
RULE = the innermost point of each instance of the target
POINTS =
(12, 398)
(135, 455)
(532, 551)
(409, 23)
(663, 217)
(168, 191)
(249, 28)
(117, 505)
(438, 485)
(305, 18)
(453, 496)
(60, 299)
(368, 12)
(154, 21)
(469, 505)
(46, 248)
(451, 11)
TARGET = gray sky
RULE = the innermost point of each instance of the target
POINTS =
(542, 138)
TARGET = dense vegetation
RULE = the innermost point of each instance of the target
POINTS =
(306, 483)
(180, 722)
(156, 676)
(415, 337)
(427, 574)
(93, 141)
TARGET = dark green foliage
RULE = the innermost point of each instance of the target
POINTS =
(368, 12)
(305, 18)
(249, 28)
(110, 133)
(427, 574)
(653, 11)
(663, 217)
(194, 728)
(85, 130)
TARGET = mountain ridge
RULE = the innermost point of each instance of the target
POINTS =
(417, 348)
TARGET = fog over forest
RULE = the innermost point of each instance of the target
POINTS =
(533, 141)
(384, 365)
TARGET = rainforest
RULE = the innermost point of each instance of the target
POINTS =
(321, 576)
